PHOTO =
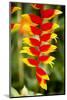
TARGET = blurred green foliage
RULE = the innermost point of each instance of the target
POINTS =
(23, 75)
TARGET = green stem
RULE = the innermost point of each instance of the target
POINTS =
(20, 64)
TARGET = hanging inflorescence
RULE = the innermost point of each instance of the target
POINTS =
(39, 40)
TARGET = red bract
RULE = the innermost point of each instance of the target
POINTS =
(46, 26)
(40, 71)
(36, 19)
(45, 37)
(34, 42)
(33, 61)
(43, 58)
(34, 51)
(44, 48)
(47, 13)
(35, 30)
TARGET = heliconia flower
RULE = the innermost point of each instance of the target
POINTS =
(42, 76)
(47, 48)
(48, 36)
(14, 9)
(50, 13)
(49, 26)
(37, 6)
(39, 43)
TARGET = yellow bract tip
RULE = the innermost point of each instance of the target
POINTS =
(52, 48)
(27, 41)
(43, 85)
(26, 50)
(54, 36)
(46, 77)
(50, 61)
(55, 26)
(15, 9)
(57, 12)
